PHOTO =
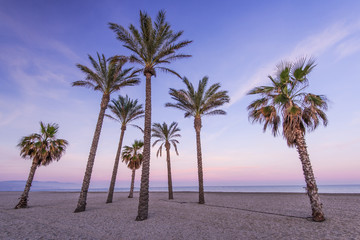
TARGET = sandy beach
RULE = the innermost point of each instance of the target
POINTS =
(224, 216)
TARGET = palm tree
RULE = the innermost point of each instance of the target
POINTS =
(165, 135)
(285, 101)
(125, 110)
(43, 149)
(133, 157)
(198, 103)
(153, 46)
(107, 77)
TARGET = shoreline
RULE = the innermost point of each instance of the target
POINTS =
(180, 192)
(226, 215)
(73, 187)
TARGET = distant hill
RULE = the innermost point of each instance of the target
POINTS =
(39, 186)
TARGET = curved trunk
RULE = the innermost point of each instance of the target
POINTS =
(86, 182)
(116, 166)
(197, 125)
(132, 184)
(143, 207)
(311, 187)
(170, 189)
(24, 197)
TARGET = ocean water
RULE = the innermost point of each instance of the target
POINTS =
(75, 187)
(245, 189)
(279, 189)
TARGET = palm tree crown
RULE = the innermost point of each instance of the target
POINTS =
(125, 110)
(201, 101)
(153, 45)
(285, 101)
(132, 155)
(165, 135)
(43, 148)
(108, 75)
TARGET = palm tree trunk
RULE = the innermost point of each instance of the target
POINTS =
(116, 166)
(86, 182)
(24, 197)
(311, 187)
(170, 189)
(143, 207)
(197, 125)
(132, 184)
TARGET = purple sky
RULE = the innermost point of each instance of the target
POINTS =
(236, 43)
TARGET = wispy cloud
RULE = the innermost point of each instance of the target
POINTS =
(209, 137)
(257, 78)
(14, 109)
(37, 67)
(35, 38)
(333, 36)
(348, 47)
(39, 64)
(319, 43)
(5, 119)
(36, 75)
(356, 119)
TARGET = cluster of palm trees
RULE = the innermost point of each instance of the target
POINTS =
(153, 46)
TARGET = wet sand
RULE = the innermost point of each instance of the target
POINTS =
(224, 216)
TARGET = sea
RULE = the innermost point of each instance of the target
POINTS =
(249, 189)
(75, 187)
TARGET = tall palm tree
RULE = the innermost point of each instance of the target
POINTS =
(284, 101)
(43, 149)
(125, 110)
(165, 135)
(153, 46)
(198, 103)
(133, 157)
(107, 77)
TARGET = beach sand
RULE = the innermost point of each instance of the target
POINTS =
(224, 216)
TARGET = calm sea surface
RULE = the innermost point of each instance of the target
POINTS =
(280, 189)
(75, 187)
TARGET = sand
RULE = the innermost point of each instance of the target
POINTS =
(224, 216)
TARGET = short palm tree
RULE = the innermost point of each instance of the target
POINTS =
(107, 77)
(153, 46)
(284, 101)
(43, 149)
(165, 135)
(197, 103)
(124, 110)
(133, 157)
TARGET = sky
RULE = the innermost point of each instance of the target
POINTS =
(235, 43)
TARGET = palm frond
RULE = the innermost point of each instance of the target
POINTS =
(153, 44)
(168, 70)
(216, 112)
